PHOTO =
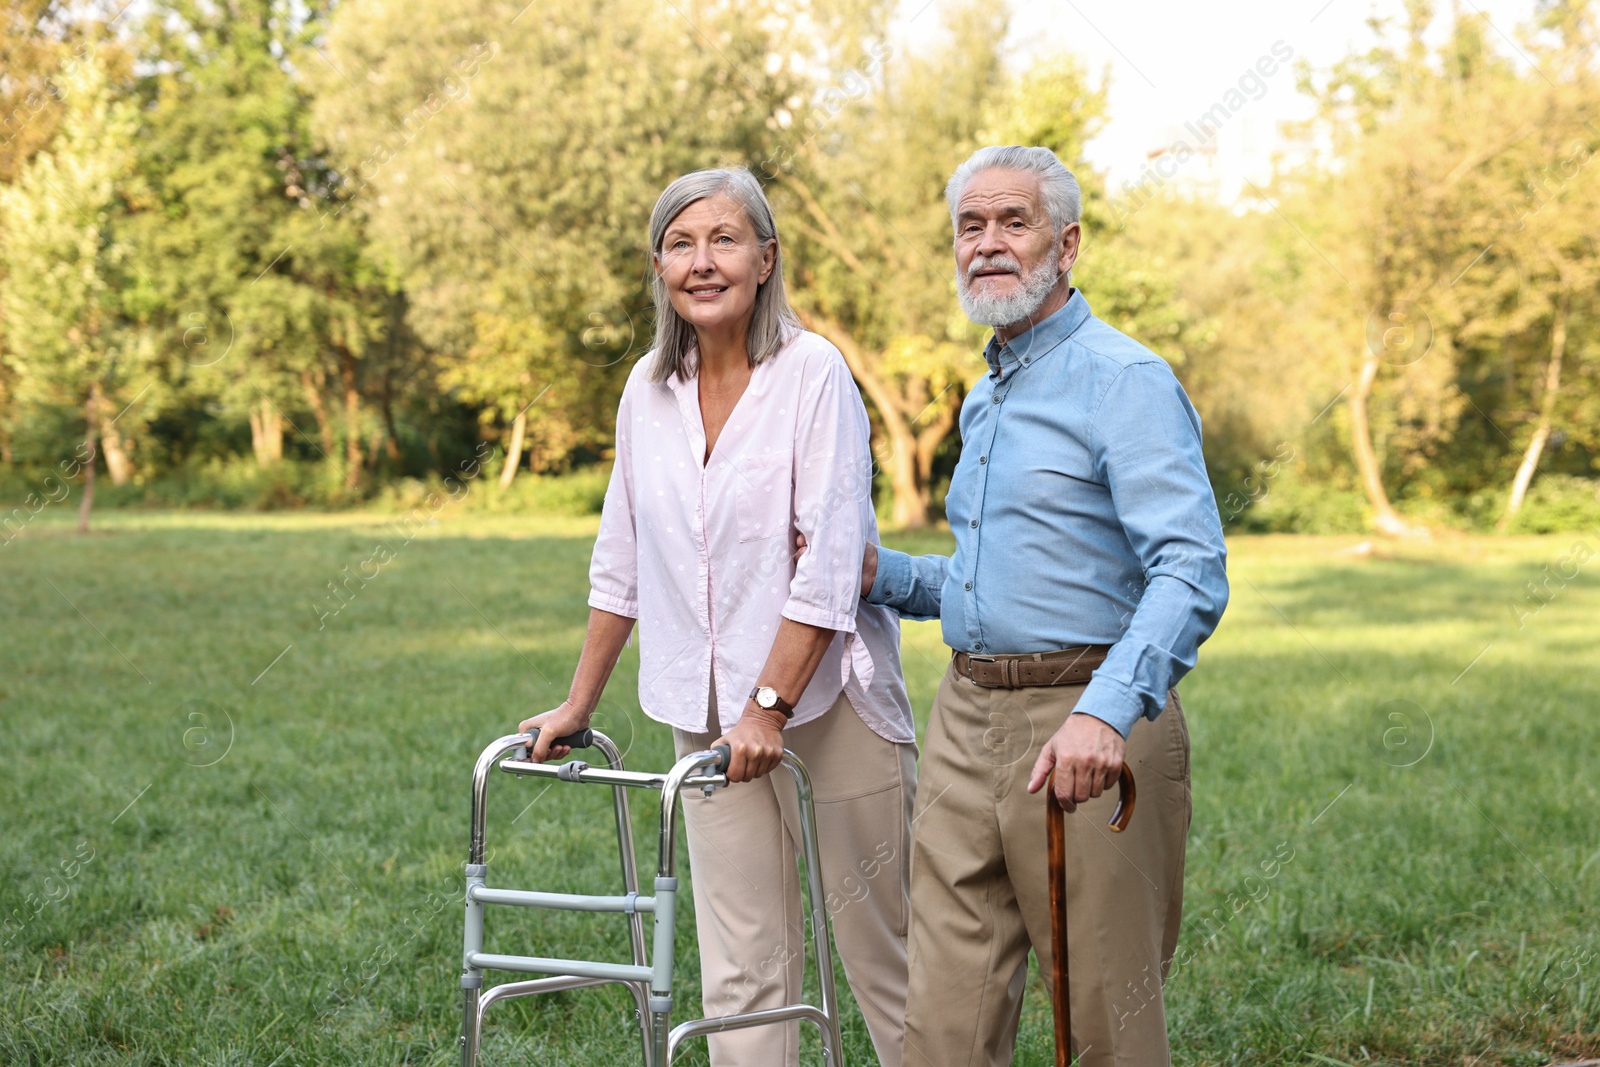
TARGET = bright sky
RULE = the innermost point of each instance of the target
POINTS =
(1171, 61)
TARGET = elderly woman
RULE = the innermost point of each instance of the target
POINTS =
(736, 433)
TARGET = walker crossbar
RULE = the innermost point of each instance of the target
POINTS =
(649, 977)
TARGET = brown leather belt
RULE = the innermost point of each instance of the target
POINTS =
(1069, 666)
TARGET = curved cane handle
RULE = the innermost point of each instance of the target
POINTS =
(1127, 796)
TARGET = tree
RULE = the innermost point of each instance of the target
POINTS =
(865, 194)
(38, 43)
(1554, 237)
(507, 157)
(267, 305)
(1408, 207)
(860, 190)
(65, 256)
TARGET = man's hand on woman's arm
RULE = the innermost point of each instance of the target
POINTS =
(869, 562)
(602, 645)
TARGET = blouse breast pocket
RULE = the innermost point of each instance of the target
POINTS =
(761, 490)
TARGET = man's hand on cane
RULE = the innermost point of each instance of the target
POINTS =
(1086, 755)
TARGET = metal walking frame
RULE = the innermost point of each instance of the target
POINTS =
(649, 976)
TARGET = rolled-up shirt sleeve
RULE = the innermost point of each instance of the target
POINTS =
(1147, 450)
(910, 585)
(614, 565)
(832, 500)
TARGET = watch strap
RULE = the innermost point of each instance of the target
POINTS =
(779, 704)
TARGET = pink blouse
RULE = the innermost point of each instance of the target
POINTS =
(702, 553)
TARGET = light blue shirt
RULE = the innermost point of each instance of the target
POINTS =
(1082, 516)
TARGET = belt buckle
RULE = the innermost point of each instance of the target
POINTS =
(972, 658)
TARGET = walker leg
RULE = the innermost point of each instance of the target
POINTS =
(469, 1023)
(817, 899)
(630, 882)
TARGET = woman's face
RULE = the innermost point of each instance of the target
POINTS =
(712, 264)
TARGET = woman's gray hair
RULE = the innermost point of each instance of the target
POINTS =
(774, 321)
(1057, 186)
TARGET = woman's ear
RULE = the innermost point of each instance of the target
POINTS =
(769, 256)
(655, 264)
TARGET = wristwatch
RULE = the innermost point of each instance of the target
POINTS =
(767, 697)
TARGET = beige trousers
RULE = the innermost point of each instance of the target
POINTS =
(979, 884)
(743, 844)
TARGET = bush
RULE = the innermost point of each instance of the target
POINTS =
(237, 482)
(1291, 504)
(1559, 503)
(581, 492)
(240, 484)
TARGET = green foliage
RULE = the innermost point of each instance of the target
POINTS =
(1560, 503)
(573, 495)
(66, 254)
(522, 254)
(369, 235)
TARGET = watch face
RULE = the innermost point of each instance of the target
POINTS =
(767, 697)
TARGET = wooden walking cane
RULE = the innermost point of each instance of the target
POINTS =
(1056, 848)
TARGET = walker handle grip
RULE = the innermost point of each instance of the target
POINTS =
(581, 739)
(724, 757)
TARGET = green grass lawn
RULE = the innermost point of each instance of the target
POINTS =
(234, 830)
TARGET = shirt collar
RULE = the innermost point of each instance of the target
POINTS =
(676, 381)
(1039, 338)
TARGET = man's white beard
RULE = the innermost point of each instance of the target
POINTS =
(1005, 310)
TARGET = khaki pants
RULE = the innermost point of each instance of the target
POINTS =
(980, 890)
(749, 915)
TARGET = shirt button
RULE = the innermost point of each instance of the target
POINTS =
(978, 647)
(983, 459)
(969, 586)
(997, 398)
(1026, 360)
(974, 524)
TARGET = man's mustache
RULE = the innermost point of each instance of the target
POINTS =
(1005, 263)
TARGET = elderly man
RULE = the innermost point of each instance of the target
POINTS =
(1088, 569)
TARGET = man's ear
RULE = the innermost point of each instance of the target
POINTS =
(1069, 245)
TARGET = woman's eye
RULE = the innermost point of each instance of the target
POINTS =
(679, 246)
(725, 240)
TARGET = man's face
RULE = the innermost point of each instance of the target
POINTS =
(1008, 255)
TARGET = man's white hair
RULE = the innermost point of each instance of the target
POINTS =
(1057, 186)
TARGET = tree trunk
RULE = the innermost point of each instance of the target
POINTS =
(392, 436)
(519, 430)
(911, 504)
(313, 388)
(1547, 404)
(352, 420)
(266, 432)
(118, 465)
(91, 414)
(1387, 520)
(928, 441)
